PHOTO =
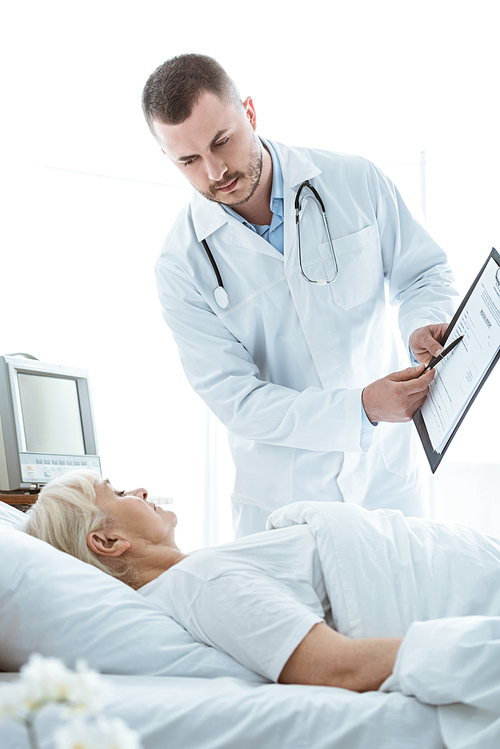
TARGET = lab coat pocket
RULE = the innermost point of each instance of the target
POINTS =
(360, 267)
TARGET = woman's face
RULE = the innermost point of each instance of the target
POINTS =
(135, 517)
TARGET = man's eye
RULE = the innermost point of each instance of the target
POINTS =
(187, 163)
(223, 142)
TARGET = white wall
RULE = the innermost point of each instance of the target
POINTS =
(387, 80)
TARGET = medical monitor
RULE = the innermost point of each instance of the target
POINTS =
(46, 423)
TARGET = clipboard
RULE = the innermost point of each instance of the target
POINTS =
(434, 457)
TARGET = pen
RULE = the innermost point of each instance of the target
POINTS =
(436, 359)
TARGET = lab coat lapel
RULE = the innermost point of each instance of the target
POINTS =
(238, 235)
(207, 216)
(296, 166)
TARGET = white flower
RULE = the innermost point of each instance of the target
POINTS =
(101, 733)
(89, 689)
(45, 681)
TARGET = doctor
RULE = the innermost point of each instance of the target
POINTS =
(298, 366)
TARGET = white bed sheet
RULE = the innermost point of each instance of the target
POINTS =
(226, 713)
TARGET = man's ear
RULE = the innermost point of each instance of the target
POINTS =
(107, 544)
(250, 111)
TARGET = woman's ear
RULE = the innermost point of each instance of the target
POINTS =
(107, 544)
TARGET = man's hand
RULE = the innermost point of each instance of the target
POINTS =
(396, 397)
(425, 342)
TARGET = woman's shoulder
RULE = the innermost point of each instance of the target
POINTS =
(255, 552)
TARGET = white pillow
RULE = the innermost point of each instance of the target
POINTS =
(11, 517)
(53, 604)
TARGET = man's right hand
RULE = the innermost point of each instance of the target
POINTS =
(396, 397)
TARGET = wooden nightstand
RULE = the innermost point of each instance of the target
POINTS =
(19, 501)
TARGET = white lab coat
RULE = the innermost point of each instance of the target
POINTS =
(283, 368)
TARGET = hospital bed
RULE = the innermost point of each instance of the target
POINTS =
(176, 692)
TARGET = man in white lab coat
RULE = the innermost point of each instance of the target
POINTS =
(300, 370)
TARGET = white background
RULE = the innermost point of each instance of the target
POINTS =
(87, 197)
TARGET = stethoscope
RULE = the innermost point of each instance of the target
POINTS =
(220, 294)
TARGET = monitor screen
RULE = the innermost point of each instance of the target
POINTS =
(51, 414)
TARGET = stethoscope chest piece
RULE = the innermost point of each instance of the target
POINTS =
(221, 297)
(220, 294)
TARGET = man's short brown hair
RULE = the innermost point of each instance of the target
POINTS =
(176, 85)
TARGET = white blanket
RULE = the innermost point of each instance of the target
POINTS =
(383, 572)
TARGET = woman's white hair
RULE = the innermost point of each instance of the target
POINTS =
(65, 512)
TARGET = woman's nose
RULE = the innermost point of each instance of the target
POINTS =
(141, 492)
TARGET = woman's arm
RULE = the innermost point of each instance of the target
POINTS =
(327, 658)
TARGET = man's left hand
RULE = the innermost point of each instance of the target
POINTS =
(425, 342)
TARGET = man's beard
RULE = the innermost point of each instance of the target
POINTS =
(252, 173)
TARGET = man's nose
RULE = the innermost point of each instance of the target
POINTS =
(216, 169)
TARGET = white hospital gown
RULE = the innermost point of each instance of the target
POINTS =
(255, 598)
(367, 574)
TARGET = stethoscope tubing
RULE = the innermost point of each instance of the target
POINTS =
(321, 205)
(220, 294)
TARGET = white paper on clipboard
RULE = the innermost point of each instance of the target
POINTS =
(459, 375)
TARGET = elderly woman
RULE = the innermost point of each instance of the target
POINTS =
(262, 599)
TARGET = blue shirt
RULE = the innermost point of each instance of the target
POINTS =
(273, 232)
